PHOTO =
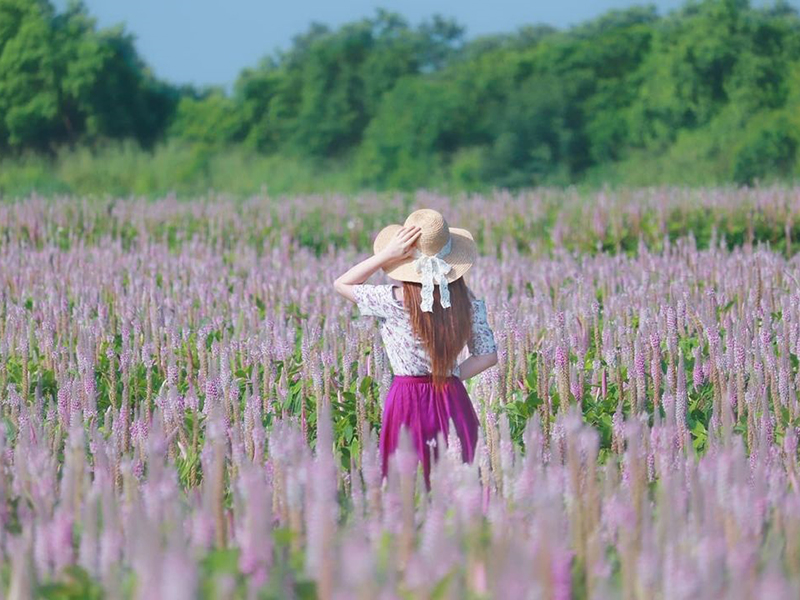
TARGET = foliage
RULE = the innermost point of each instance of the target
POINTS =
(706, 94)
(64, 82)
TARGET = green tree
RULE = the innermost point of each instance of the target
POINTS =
(62, 81)
(107, 92)
(768, 150)
(212, 120)
(418, 125)
(318, 98)
(707, 93)
(29, 94)
(684, 78)
(532, 137)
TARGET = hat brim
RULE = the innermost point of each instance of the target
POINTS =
(462, 255)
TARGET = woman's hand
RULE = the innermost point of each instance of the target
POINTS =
(401, 245)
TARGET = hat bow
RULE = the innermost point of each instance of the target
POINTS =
(434, 270)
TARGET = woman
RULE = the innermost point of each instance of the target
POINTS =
(425, 325)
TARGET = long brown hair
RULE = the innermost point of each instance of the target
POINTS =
(444, 332)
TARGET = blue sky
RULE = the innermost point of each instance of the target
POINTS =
(207, 42)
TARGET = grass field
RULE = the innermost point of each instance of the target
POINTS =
(189, 411)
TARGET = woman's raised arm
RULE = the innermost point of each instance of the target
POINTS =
(401, 246)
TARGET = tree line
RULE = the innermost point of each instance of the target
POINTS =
(708, 93)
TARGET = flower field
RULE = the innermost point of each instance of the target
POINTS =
(189, 411)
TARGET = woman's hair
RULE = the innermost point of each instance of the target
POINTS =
(445, 331)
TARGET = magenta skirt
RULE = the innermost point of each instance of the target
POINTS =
(414, 403)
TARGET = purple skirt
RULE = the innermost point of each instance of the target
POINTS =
(413, 402)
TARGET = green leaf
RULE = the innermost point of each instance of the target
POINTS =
(786, 416)
(530, 379)
(442, 586)
(366, 384)
(222, 561)
(282, 536)
(75, 584)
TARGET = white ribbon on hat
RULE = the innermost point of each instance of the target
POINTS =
(434, 270)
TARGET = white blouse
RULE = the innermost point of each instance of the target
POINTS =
(407, 354)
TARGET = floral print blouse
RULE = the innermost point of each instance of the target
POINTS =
(407, 354)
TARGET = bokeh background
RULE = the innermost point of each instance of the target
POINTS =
(154, 97)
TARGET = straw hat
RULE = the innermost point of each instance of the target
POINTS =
(434, 237)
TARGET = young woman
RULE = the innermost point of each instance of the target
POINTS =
(425, 325)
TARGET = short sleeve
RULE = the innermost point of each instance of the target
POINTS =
(482, 339)
(375, 300)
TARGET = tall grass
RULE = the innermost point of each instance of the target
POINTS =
(126, 169)
(123, 169)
